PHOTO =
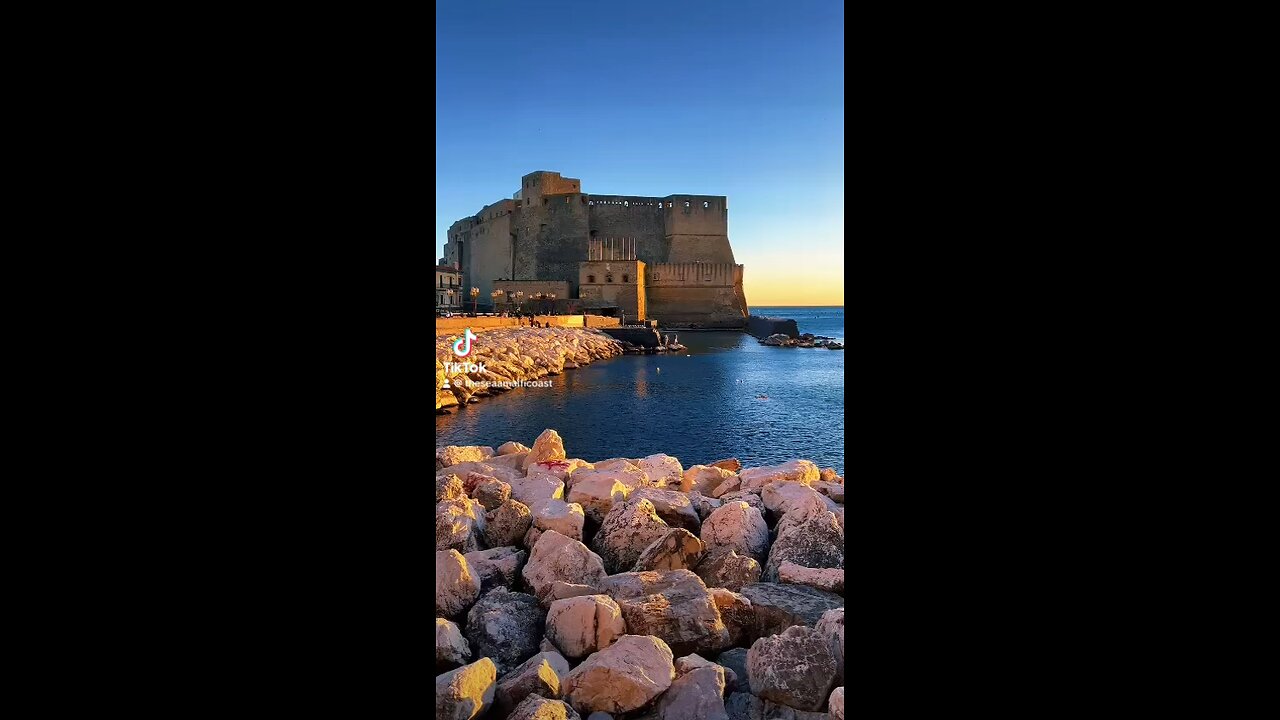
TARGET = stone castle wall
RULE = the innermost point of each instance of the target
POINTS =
(544, 231)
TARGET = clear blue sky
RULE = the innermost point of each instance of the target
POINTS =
(744, 99)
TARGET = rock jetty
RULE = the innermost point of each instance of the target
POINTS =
(636, 587)
(502, 359)
(807, 340)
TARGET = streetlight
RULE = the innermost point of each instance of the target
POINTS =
(475, 293)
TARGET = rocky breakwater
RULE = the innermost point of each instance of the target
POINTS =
(806, 340)
(504, 359)
(636, 588)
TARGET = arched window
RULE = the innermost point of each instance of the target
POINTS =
(608, 278)
(625, 279)
(591, 278)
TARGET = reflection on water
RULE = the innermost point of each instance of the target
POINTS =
(700, 406)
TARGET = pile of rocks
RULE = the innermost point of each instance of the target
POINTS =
(807, 340)
(636, 588)
(508, 355)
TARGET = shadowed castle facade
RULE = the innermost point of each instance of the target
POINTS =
(673, 251)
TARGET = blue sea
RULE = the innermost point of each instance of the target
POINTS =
(727, 396)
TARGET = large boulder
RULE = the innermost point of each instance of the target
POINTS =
(563, 591)
(828, 579)
(491, 493)
(836, 704)
(623, 677)
(738, 526)
(725, 568)
(536, 707)
(730, 464)
(663, 470)
(801, 471)
(795, 668)
(548, 446)
(455, 454)
(831, 627)
(703, 478)
(511, 447)
(456, 585)
(565, 518)
(675, 508)
(542, 674)
(597, 493)
(621, 471)
(488, 469)
(737, 614)
(507, 524)
(750, 497)
(698, 693)
(560, 558)
(672, 605)
(536, 489)
(818, 543)
(505, 626)
(451, 648)
(778, 607)
(457, 525)
(677, 549)
(783, 497)
(467, 692)
(703, 505)
(498, 566)
(581, 625)
(626, 531)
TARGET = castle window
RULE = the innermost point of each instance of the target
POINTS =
(591, 278)
(625, 278)
(608, 278)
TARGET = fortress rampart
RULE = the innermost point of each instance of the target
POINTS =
(544, 230)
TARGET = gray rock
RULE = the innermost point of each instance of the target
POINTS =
(795, 668)
(684, 615)
(505, 626)
(737, 526)
(507, 524)
(698, 693)
(559, 558)
(817, 542)
(467, 692)
(627, 530)
(457, 586)
(677, 549)
(540, 675)
(623, 677)
(492, 493)
(499, 566)
(738, 615)
(836, 704)
(735, 660)
(725, 568)
(778, 606)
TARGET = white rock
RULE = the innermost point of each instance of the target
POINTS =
(548, 446)
(738, 526)
(801, 471)
(579, 626)
(674, 507)
(537, 488)
(828, 579)
(663, 470)
(511, 446)
(704, 478)
(455, 454)
(565, 518)
(561, 558)
(457, 587)
(623, 677)
(597, 494)
(782, 497)
(675, 550)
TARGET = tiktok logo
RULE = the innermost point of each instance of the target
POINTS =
(462, 347)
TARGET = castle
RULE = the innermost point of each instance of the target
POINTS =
(666, 258)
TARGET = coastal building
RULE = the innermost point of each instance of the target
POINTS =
(678, 262)
(449, 287)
